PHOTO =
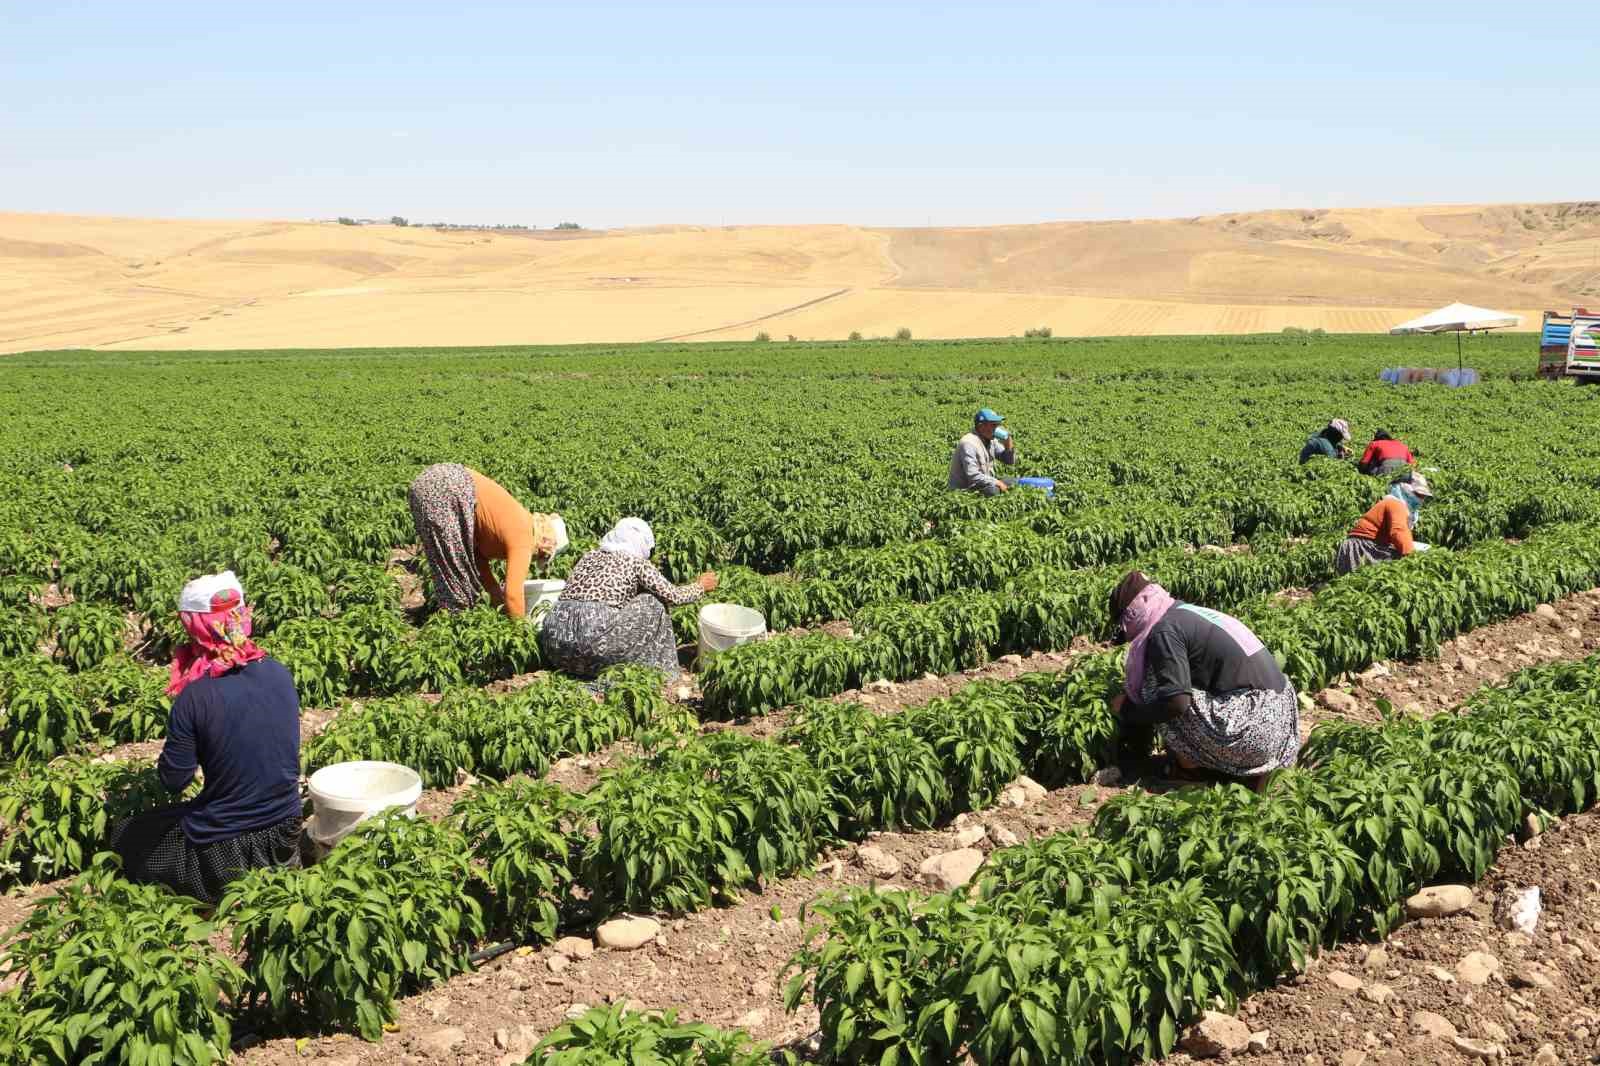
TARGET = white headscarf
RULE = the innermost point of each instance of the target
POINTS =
(631, 536)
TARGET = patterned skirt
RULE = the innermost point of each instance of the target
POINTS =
(154, 849)
(1241, 733)
(582, 638)
(1357, 552)
(443, 507)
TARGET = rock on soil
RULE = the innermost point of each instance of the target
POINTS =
(1021, 792)
(1439, 901)
(1477, 967)
(1344, 982)
(440, 1041)
(877, 862)
(1338, 702)
(1377, 993)
(575, 947)
(970, 836)
(1479, 1049)
(1215, 1034)
(952, 869)
(1427, 1023)
(625, 934)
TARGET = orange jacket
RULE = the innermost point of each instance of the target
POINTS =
(1387, 522)
(504, 531)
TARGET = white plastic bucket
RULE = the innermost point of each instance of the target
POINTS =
(727, 625)
(539, 596)
(348, 793)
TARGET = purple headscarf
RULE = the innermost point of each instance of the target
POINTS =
(1140, 616)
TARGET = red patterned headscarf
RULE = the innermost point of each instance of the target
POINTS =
(219, 639)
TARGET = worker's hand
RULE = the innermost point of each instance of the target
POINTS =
(1003, 486)
(707, 581)
(1115, 703)
(1011, 442)
(544, 549)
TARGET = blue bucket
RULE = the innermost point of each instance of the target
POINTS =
(1045, 483)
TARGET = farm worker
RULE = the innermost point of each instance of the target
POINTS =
(1385, 456)
(464, 521)
(236, 717)
(614, 607)
(1328, 441)
(1211, 688)
(1384, 532)
(972, 465)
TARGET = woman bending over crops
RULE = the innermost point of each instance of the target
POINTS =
(614, 607)
(1211, 688)
(236, 718)
(1384, 532)
(464, 521)
(1385, 456)
(1328, 442)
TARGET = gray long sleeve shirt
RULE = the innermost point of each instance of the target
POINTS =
(972, 465)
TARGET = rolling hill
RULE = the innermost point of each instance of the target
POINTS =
(86, 282)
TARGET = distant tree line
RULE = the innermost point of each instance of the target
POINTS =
(401, 220)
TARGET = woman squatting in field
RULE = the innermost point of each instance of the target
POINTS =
(236, 718)
(1210, 687)
(614, 607)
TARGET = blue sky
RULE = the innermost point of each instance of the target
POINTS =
(871, 113)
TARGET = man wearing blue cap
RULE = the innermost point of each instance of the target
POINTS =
(972, 466)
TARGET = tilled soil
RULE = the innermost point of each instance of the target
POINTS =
(1545, 989)
(1567, 629)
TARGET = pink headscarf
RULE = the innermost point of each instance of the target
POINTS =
(220, 641)
(1138, 618)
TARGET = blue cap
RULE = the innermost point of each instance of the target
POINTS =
(1002, 434)
(988, 415)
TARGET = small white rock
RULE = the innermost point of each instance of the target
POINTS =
(877, 862)
(1427, 1023)
(1477, 967)
(951, 869)
(1439, 901)
(575, 947)
(969, 836)
(1477, 1048)
(626, 934)
(1344, 982)
(1215, 1034)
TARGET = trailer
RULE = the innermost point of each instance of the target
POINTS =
(1569, 346)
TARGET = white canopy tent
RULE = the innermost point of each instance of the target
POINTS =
(1458, 318)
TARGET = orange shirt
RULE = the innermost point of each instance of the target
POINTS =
(1387, 522)
(504, 531)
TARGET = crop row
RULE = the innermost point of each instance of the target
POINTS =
(1099, 947)
(698, 820)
